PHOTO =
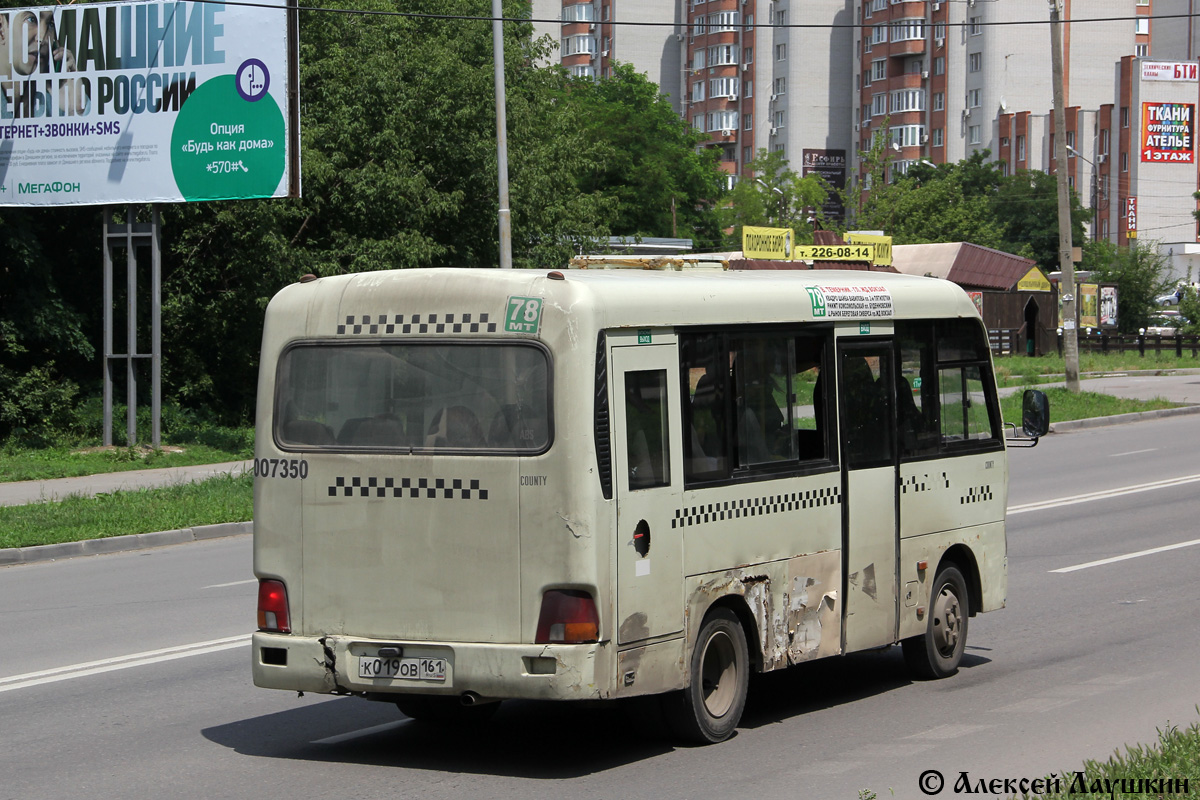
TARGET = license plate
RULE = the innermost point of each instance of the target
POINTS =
(417, 669)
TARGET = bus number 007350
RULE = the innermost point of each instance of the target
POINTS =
(280, 468)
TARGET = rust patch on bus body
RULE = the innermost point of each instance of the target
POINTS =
(795, 611)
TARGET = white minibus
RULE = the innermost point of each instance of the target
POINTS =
(627, 478)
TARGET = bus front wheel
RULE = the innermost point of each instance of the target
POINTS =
(709, 709)
(938, 652)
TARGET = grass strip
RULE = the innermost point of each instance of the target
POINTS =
(225, 498)
(61, 462)
(1065, 405)
(1012, 370)
(1144, 772)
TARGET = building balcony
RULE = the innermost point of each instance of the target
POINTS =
(908, 47)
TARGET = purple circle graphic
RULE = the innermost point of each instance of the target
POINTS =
(252, 80)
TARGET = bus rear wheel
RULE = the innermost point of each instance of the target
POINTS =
(709, 709)
(938, 652)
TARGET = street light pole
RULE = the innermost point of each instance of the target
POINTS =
(501, 134)
(1066, 266)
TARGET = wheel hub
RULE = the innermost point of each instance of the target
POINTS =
(947, 621)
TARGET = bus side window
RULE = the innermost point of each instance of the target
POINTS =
(646, 429)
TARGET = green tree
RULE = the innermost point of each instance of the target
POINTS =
(665, 183)
(1140, 274)
(777, 197)
(1026, 204)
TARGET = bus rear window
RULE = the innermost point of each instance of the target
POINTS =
(432, 397)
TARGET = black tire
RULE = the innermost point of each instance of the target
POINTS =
(938, 652)
(709, 709)
(444, 710)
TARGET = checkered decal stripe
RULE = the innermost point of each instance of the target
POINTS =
(395, 323)
(922, 483)
(428, 488)
(755, 506)
(980, 494)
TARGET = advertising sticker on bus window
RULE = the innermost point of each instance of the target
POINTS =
(850, 302)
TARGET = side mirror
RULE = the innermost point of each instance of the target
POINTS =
(1035, 414)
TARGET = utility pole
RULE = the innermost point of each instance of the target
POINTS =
(501, 134)
(1066, 265)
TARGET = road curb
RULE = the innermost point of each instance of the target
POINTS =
(1121, 419)
(120, 544)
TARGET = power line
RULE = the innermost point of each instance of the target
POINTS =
(865, 24)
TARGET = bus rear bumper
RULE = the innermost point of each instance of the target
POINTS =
(334, 664)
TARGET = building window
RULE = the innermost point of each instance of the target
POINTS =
(1071, 139)
(604, 13)
(781, 52)
(583, 71)
(907, 135)
(749, 89)
(748, 55)
(908, 100)
(1021, 148)
(779, 148)
(583, 43)
(781, 18)
(780, 86)
(879, 70)
(698, 122)
(698, 92)
(908, 29)
(698, 26)
(747, 154)
(939, 101)
(937, 137)
(1104, 142)
(879, 34)
(1124, 116)
(581, 12)
(1141, 50)
(724, 87)
(722, 120)
(1141, 26)
(974, 62)
(1124, 162)
(721, 55)
(780, 119)
(747, 125)
(939, 65)
(973, 135)
(698, 59)
(939, 30)
(976, 25)
(749, 22)
(879, 5)
(973, 98)
(878, 105)
(723, 21)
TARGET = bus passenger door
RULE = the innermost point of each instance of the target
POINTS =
(648, 458)
(866, 392)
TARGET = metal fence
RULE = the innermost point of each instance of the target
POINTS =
(1007, 342)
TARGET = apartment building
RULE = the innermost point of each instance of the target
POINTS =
(942, 79)
(735, 69)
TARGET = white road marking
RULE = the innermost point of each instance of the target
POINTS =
(1133, 452)
(120, 662)
(232, 583)
(1090, 496)
(345, 737)
(1128, 556)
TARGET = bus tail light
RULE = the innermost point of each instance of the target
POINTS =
(568, 617)
(273, 607)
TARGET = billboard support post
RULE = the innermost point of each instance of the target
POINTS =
(129, 236)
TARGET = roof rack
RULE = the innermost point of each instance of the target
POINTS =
(663, 263)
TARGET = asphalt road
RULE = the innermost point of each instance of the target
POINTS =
(127, 675)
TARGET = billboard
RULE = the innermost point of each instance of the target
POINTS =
(831, 166)
(147, 102)
(1168, 132)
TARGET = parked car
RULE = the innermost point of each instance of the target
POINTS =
(1167, 323)
(1171, 299)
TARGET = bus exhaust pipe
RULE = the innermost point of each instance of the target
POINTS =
(471, 699)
